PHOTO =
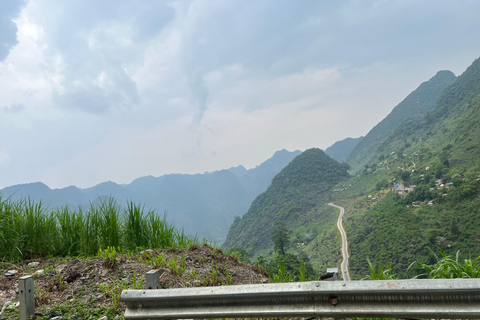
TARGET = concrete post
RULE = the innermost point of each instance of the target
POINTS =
(152, 278)
(331, 275)
(26, 297)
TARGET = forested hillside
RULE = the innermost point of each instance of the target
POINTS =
(294, 199)
(416, 189)
(437, 161)
(415, 106)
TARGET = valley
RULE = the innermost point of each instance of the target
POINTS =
(412, 191)
(409, 188)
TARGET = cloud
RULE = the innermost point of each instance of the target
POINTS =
(99, 42)
(9, 10)
(114, 89)
(200, 91)
(14, 108)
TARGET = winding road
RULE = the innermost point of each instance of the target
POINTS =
(345, 273)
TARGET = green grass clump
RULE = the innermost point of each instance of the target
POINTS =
(447, 267)
(31, 230)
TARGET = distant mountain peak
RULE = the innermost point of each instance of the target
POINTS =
(417, 104)
(341, 149)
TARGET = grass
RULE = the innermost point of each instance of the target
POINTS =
(447, 267)
(31, 230)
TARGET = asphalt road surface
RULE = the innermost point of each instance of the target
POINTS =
(344, 266)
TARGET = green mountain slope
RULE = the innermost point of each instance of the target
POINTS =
(440, 157)
(294, 198)
(427, 150)
(415, 105)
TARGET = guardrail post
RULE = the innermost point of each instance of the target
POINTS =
(331, 275)
(152, 278)
(26, 297)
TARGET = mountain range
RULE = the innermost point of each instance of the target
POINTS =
(411, 186)
(202, 204)
(414, 188)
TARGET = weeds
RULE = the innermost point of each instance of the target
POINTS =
(158, 262)
(282, 275)
(177, 267)
(381, 274)
(108, 255)
(30, 230)
(447, 267)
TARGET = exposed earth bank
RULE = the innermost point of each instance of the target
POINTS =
(87, 288)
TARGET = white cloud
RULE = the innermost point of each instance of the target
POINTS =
(112, 90)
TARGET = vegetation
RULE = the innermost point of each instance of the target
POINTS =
(415, 105)
(294, 198)
(429, 146)
(30, 230)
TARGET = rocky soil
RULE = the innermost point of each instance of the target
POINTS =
(91, 287)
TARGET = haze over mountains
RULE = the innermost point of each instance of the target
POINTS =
(202, 204)
(415, 105)
(427, 149)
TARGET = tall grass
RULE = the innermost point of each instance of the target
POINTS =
(447, 267)
(29, 230)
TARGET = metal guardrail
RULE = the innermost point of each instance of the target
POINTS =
(443, 298)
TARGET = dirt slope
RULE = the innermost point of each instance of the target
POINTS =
(88, 288)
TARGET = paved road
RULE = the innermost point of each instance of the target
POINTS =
(345, 273)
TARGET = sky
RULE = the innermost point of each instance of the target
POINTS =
(113, 90)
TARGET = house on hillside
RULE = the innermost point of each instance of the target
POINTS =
(399, 189)
(410, 189)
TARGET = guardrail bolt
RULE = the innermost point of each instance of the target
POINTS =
(333, 301)
(26, 297)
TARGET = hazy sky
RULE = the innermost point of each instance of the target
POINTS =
(93, 90)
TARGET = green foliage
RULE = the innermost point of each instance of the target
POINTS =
(156, 262)
(293, 198)
(287, 268)
(239, 254)
(381, 273)
(282, 274)
(415, 106)
(177, 267)
(281, 237)
(29, 230)
(447, 267)
(108, 255)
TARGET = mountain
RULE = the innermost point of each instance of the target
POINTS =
(415, 105)
(340, 150)
(416, 190)
(436, 158)
(202, 204)
(303, 185)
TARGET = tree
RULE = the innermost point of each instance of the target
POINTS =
(281, 237)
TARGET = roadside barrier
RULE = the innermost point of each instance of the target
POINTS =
(438, 298)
